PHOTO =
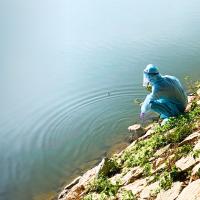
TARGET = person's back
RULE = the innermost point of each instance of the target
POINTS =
(167, 98)
(170, 88)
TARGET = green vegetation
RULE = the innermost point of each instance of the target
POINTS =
(128, 195)
(142, 154)
(103, 185)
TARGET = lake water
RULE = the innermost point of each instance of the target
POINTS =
(69, 74)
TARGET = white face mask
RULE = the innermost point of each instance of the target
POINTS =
(145, 80)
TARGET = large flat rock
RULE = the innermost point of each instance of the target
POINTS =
(191, 192)
(172, 193)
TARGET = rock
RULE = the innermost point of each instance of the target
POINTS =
(147, 191)
(115, 179)
(147, 134)
(92, 173)
(191, 192)
(160, 167)
(137, 130)
(75, 193)
(197, 145)
(162, 150)
(74, 182)
(136, 187)
(190, 99)
(198, 92)
(172, 193)
(107, 167)
(191, 138)
(133, 174)
(195, 173)
(186, 162)
(198, 102)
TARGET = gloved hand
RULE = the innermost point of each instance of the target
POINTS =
(142, 116)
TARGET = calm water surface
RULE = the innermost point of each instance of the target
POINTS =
(69, 73)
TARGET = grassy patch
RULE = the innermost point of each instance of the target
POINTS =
(102, 185)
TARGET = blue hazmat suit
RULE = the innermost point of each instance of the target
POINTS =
(167, 98)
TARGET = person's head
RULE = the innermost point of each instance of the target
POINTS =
(150, 75)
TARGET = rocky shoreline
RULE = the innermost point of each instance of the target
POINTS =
(162, 163)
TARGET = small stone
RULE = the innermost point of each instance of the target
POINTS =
(191, 192)
(172, 193)
(137, 130)
(146, 193)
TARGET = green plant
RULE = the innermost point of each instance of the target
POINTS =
(103, 185)
(128, 195)
(147, 169)
(165, 181)
(183, 151)
(87, 197)
(196, 153)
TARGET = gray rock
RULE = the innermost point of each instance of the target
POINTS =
(191, 138)
(191, 192)
(137, 131)
(133, 174)
(162, 150)
(74, 182)
(148, 190)
(198, 92)
(172, 193)
(195, 173)
(106, 167)
(186, 162)
(136, 187)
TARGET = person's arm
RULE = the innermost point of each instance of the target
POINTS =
(146, 105)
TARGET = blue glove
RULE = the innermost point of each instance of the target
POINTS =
(142, 116)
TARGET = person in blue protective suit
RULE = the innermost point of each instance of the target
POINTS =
(167, 96)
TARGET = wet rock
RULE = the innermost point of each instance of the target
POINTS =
(137, 131)
(74, 182)
(148, 190)
(191, 192)
(147, 134)
(75, 193)
(172, 193)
